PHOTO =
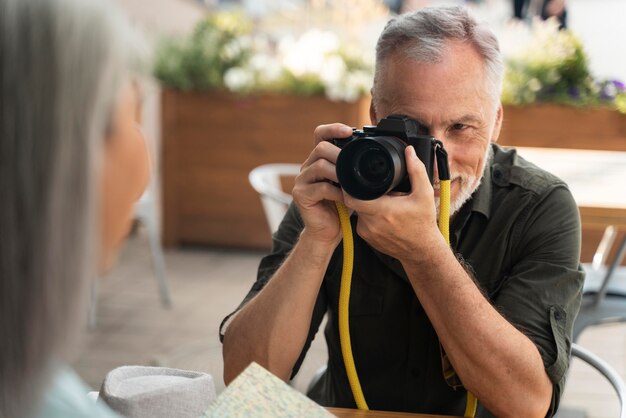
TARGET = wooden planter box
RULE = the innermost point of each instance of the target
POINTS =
(210, 144)
(554, 126)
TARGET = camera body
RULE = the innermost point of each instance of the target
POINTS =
(371, 162)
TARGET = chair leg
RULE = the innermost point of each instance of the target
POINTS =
(93, 306)
(158, 262)
(621, 252)
(602, 252)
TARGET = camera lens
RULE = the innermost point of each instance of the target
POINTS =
(369, 167)
(373, 166)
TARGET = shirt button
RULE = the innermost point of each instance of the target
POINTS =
(416, 372)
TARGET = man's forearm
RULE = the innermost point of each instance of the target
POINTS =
(272, 328)
(495, 361)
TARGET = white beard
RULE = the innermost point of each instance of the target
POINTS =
(469, 184)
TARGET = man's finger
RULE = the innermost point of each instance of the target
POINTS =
(366, 206)
(415, 169)
(319, 170)
(323, 150)
(331, 131)
(317, 192)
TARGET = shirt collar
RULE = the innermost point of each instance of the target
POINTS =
(479, 202)
(481, 199)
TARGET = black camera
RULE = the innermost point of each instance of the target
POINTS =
(371, 162)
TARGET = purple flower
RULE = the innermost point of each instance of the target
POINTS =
(609, 89)
(619, 85)
(573, 92)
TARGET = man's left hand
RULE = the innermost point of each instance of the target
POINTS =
(403, 226)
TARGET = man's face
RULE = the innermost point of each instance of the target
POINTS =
(452, 100)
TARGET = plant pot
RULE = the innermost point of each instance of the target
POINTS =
(557, 126)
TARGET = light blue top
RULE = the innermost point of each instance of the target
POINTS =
(67, 398)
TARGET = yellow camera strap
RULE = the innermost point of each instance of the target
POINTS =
(346, 281)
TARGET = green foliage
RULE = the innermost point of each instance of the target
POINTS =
(555, 68)
(224, 53)
(199, 62)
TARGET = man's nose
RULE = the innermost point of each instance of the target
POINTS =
(439, 134)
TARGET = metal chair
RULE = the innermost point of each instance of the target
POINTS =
(146, 214)
(265, 179)
(604, 292)
(606, 370)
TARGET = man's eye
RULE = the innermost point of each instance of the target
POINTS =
(458, 127)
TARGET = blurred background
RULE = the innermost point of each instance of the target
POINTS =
(236, 85)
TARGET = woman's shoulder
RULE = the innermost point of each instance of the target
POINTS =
(66, 397)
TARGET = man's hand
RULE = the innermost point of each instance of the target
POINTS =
(272, 328)
(402, 226)
(314, 193)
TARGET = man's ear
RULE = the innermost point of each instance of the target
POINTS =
(373, 117)
(498, 124)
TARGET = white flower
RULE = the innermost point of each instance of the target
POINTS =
(238, 79)
(267, 68)
(333, 69)
(336, 92)
(307, 54)
(321, 42)
(534, 85)
(235, 48)
(350, 87)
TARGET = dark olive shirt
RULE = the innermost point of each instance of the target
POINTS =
(519, 237)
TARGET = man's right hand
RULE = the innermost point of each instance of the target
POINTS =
(272, 329)
(313, 192)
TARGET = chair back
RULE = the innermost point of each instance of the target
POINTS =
(606, 370)
(604, 292)
(265, 179)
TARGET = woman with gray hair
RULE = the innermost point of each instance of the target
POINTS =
(72, 164)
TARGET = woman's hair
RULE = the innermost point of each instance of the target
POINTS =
(62, 65)
(422, 36)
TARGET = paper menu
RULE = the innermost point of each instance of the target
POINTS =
(258, 393)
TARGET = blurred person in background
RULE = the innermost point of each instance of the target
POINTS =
(72, 164)
(522, 9)
(491, 313)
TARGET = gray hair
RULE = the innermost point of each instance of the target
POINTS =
(62, 65)
(422, 36)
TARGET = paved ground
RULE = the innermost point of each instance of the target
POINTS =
(132, 327)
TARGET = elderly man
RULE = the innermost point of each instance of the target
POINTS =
(497, 306)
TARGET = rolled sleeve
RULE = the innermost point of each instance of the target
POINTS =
(541, 294)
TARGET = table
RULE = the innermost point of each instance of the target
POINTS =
(355, 413)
